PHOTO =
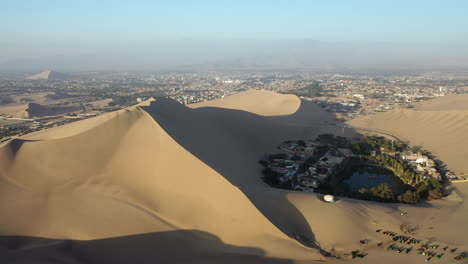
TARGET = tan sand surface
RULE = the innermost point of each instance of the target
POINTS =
(164, 183)
(443, 132)
(47, 75)
(39, 98)
(260, 102)
(446, 103)
(100, 103)
(18, 108)
(42, 75)
(13, 110)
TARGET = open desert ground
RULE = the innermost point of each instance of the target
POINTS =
(161, 182)
(439, 125)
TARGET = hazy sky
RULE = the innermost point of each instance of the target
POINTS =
(326, 20)
(32, 32)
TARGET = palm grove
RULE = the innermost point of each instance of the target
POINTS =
(373, 152)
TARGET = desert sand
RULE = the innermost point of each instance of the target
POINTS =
(42, 75)
(48, 75)
(439, 125)
(36, 105)
(161, 182)
(266, 105)
(19, 107)
(447, 103)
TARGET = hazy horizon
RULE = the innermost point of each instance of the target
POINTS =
(221, 35)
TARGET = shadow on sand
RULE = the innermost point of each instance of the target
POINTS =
(186, 246)
(15, 144)
(232, 141)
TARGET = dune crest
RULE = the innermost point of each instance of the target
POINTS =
(187, 178)
(127, 176)
(48, 75)
(443, 132)
(260, 102)
(445, 103)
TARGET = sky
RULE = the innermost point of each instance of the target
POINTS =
(327, 20)
(44, 27)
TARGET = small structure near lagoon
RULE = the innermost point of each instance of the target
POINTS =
(329, 198)
(369, 168)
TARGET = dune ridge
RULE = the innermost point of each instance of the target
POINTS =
(152, 199)
(48, 75)
(444, 103)
(187, 178)
(260, 102)
(443, 132)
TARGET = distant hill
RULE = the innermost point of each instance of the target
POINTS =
(48, 75)
(34, 110)
(38, 110)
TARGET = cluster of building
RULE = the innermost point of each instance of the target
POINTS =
(305, 165)
(351, 96)
(347, 95)
(422, 164)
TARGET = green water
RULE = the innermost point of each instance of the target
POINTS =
(369, 177)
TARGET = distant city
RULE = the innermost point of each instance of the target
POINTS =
(51, 99)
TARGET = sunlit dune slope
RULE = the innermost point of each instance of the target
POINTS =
(81, 126)
(162, 182)
(14, 110)
(126, 176)
(443, 132)
(445, 103)
(260, 102)
(48, 75)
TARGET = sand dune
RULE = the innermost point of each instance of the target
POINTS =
(445, 103)
(38, 104)
(137, 169)
(14, 110)
(443, 132)
(260, 102)
(162, 182)
(48, 75)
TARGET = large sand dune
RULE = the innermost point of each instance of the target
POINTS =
(36, 105)
(48, 75)
(258, 102)
(162, 182)
(440, 125)
(445, 103)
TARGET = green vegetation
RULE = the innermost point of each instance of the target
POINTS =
(312, 90)
(427, 190)
(414, 187)
(270, 177)
(370, 143)
(372, 155)
(430, 189)
(409, 197)
(356, 148)
(383, 192)
(399, 168)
